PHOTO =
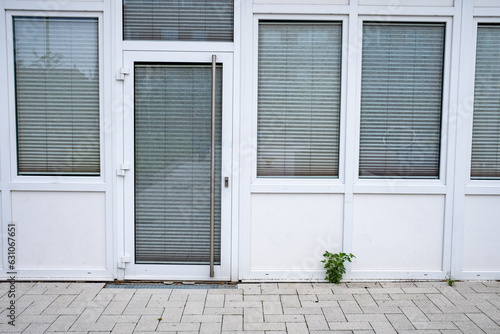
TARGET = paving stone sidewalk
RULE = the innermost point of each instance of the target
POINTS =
(265, 308)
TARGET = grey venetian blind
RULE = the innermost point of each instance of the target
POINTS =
(401, 89)
(178, 20)
(173, 163)
(486, 129)
(57, 95)
(299, 99)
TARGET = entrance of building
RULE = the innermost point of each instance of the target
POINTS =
(177, 143)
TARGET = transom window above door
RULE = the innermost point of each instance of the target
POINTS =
(178, 20)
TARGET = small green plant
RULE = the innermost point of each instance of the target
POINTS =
(449, 279)
(334, 264)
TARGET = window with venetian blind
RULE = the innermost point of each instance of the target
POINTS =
(401, 100)
(178, 20)
(485, 162)
(299, 75)
(57, 95)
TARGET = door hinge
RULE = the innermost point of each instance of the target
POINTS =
(123, 72)
(124, 167)
(123, 261)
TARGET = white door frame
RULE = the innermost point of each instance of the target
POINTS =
(134, 271)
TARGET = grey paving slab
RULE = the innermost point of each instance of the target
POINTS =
(285, 318)
(258, 308)
(382, 327)
(265, 326)
(214, 301)
(272, 308)
(210, 328)
(232, 322)
(334, 314)
(296, 328)
(316, 322)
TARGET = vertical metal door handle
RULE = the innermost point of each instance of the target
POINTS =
(212, 177)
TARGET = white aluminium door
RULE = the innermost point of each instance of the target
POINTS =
(178, 144)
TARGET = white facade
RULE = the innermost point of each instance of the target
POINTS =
(273, 228)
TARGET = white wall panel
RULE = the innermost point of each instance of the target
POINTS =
(292, 231)
(60, 230)
(481, 246)
(412, 3)
(487, 3)
(302, 2)
(398, 232)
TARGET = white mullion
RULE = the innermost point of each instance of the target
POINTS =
(464, 133)
(120, 104)
(448, 157)
(11, 121)
(106, 20)
(234, 178)
(5, 136)
(352, 64)
(245, 168)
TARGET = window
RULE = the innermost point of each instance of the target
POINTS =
(486, 128)
(57, 95)
(299, 99)
(401, 93)
(178, 20)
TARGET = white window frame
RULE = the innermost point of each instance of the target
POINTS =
(309, 184)
(398, 185)
(476, 186)
(58, 182)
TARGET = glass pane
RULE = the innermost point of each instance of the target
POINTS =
(173, 163)
(486, 130)
(401, 88)
(178, 20)
(57, 95)
(299, 99)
